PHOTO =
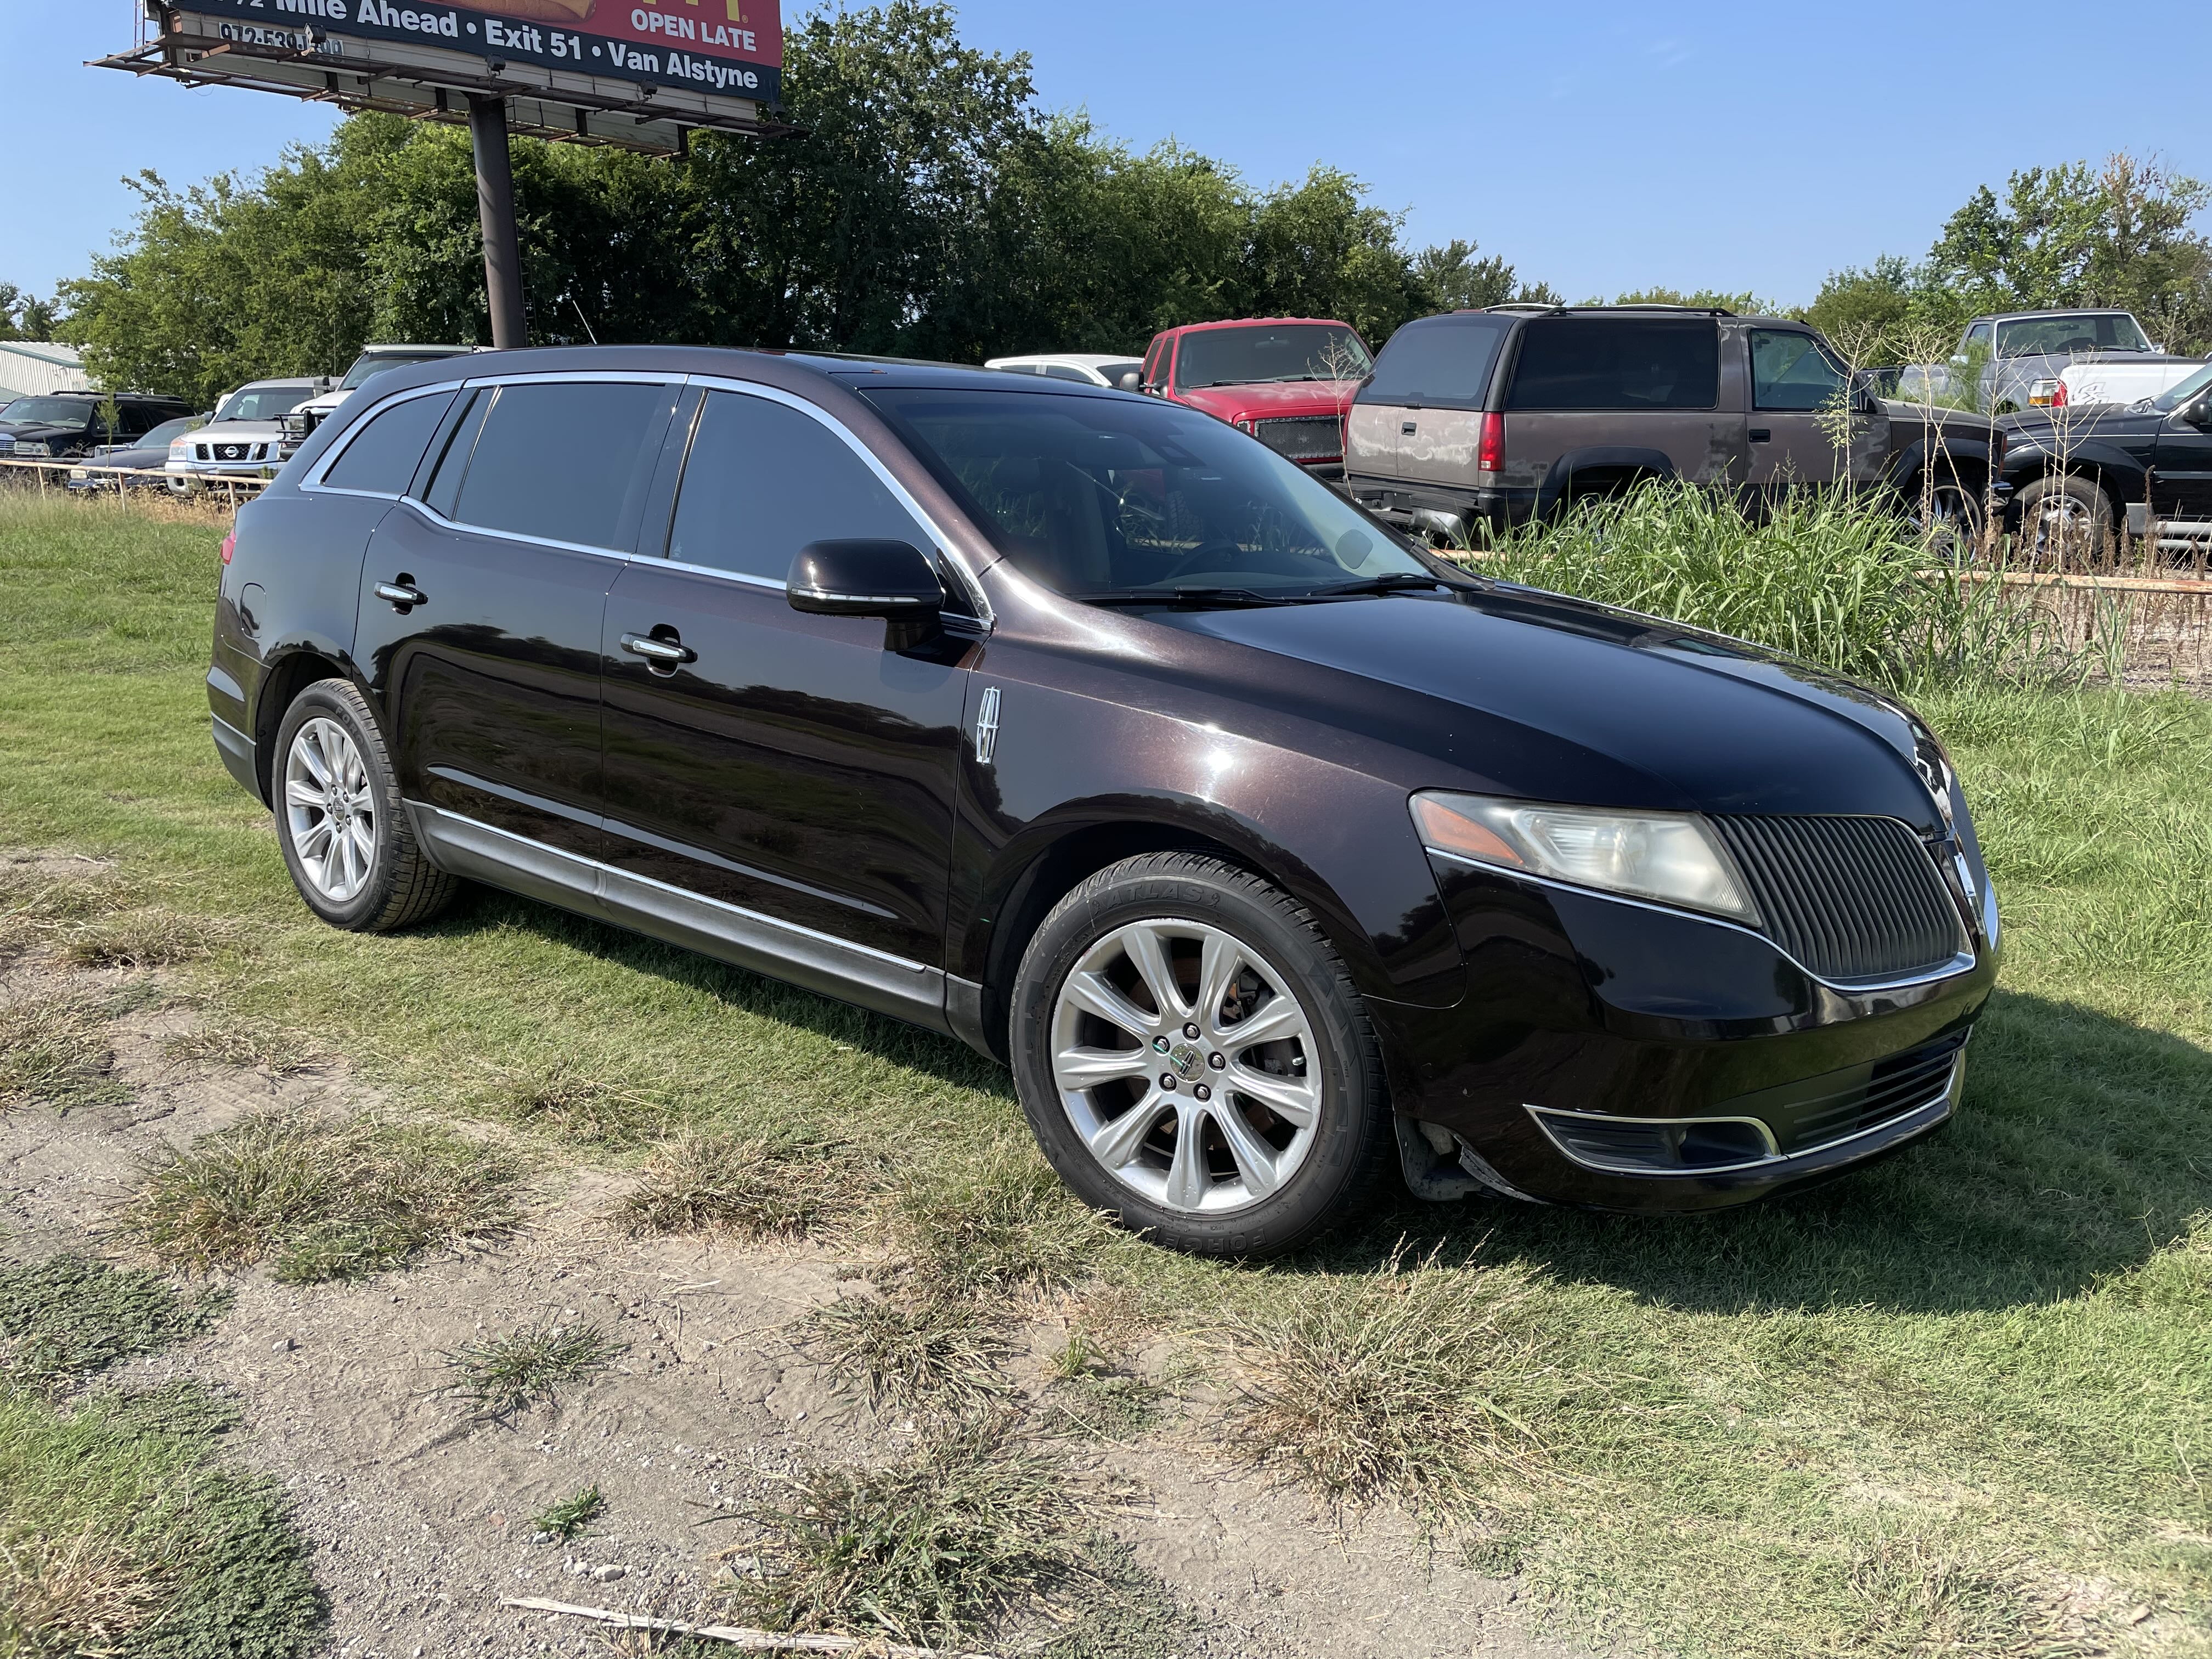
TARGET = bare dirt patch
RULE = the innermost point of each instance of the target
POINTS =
(422, 1511)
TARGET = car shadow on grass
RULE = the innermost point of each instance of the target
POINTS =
(2083, 1144)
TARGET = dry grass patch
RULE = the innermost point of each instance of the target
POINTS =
(271, 1048)
(504, 1374)
(577, 1109)
(72, 1597)
(1087, 1395)
(1419, 1382)
(994, 1225)
(743, 1185)
(141, 938)
(320, 1200)
(41, 896)
(927, 1549)
(935, 1357)
(54, 1051)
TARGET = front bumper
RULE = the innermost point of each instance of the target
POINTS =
(1596, 1033)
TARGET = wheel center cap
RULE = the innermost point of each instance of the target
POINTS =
(1186, 1060)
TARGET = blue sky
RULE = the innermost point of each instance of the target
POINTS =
(1600, 147)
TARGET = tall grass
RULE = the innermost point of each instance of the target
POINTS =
(1839, 582)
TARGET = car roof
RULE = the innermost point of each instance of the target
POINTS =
(1080, 359)
(2052, 311)
(1258, 322)
(449, 351)
(292, 379)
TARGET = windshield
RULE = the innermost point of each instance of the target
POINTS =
(1099, 497)
(2179, 394)
(169, 431)
(377, 362)
(1278, 351)
(266, 403)
(2054, 336)
(47, 411)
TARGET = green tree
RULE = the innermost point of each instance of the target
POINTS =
(1453, 279)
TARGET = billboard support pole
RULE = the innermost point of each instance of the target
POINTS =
(502, 245)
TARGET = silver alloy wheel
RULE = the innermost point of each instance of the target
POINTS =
(330, 810)
(2064, 526)
(1187, 1066)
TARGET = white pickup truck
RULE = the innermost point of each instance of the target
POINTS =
(2121, 380)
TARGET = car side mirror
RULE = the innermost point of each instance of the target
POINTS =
(1958, 360)
(2200, 413)
(895, 580)
(1132, 381)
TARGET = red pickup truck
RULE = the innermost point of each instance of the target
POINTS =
(1286, 380)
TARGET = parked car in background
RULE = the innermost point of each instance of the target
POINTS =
(1476, 421)
(2122, 380)
(1117, 370)
(148, 455)
(2002, 357)
(373, 360)
(246, 437)
(1276, 856)
(1286, 380)
(63, 425)
(2072, 478)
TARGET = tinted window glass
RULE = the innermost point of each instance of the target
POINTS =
(1979, 335)
(764, 480)
(1589, 362)
(562, 462)
(1442, 361)
(267, 402)
(383, 458)
(1067, 372)
(170, 431)
(1789, 371)
(1091, 495)
(1269, 352)
(2057, 335)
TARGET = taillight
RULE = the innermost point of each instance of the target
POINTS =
(2058, 396)
(229, 546)
(1490, 453)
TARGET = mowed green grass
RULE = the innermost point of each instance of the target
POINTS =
(1958, 1403)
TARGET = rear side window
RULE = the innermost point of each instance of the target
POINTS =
(764, 480)
(1789, 372)
(1591, 362)
(1441, 361)
(382, 459)
(564, 463)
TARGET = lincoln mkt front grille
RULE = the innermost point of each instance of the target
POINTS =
(1850, 898)
(1304, 438)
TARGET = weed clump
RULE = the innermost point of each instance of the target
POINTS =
(54, 1051)
(567, 1519)
(1086, 1395)
(529, 1366)
(249, 1048)
(71, 1316)
(578, 1110)
(1419, 1382)
(994, 1226)
(141, 938)
(932, 1356)
(926, 1549)
(319, 1201)
(742, 1185)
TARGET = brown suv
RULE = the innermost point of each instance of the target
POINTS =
(1492, 417)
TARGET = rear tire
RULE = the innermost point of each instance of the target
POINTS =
(345, 837)
(1213, 1142)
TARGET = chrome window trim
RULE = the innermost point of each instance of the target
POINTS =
(947, 547)
(1962, 963)
(1945, 1099)
(313, 481)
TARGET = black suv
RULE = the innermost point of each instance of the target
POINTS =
(2071, 477)
(60, 423)
(1272, 851)
(1482, 419)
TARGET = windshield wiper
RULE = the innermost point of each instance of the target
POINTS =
(1395, 581)
(1223, 596)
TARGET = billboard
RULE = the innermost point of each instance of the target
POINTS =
(733, 48)
(642, 74)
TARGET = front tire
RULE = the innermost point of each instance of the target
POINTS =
(2065, 519)
(1194, 1059)
(346, 840)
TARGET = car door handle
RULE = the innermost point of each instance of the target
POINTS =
(665, 655)
(400, 594)
(1762, 434)
(1408, 428)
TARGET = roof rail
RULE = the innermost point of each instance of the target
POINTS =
(1660, 305)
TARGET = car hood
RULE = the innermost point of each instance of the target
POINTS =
(1529, 693)
(238, 432)
(2073, 424)
(1273, 399)
(324, 404)
(35, 432)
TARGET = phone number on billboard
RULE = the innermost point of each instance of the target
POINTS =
(246, 35)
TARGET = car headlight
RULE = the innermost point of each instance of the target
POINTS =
(1671, 858)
